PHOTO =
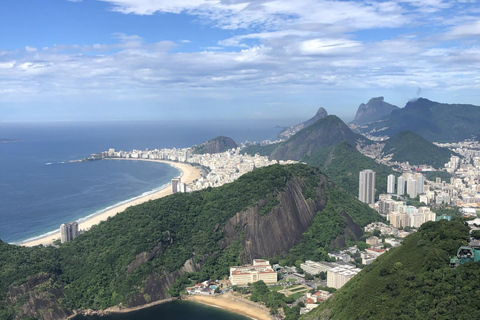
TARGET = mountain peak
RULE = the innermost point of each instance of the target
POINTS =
(375, 109)
(321, 113)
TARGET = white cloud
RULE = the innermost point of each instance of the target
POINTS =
(464, 31)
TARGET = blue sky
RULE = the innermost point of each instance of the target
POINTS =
(198, 59)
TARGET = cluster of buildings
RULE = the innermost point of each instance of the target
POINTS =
(401, 215)
(250, 273)
(223, 167)
(338, 273)
(203, 288)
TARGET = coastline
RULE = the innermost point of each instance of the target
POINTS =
(188, 175)
(233, 304)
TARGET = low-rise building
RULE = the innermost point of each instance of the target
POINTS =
(259, 270)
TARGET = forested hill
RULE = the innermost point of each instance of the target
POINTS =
(329, 144)
(151, 251)
(343, 163)
(412, 281)
(434, 121)
(411, 147)
(216, 145)
(324, 133)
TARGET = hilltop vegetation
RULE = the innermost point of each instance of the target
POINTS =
(413, 281)
(216, 145)
(411, 147)
(154, 250)
(329, 145)
(324, 133)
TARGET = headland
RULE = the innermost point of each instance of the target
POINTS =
(188, 174)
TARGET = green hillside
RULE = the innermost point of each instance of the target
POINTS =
(412, 281)
(411, 147)
(329, 145)
(324, 133)
(343, 163)
(140, 255)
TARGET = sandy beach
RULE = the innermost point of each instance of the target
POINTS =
(234, 304)
(189, 174)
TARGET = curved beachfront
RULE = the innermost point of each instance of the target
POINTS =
(189, 174)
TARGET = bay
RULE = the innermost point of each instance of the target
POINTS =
(177, 310)
(39, 189)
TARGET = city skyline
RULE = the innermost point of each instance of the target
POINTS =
(136, 60)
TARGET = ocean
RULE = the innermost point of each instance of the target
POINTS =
(177, 310)
(39, 189)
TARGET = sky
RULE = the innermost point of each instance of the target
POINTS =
(79, 60)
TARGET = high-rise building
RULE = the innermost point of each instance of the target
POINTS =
(401, 186)
(68, 231)
(420, 182)
(391, 184)
(175, 184)
(412, 188)
(366, 186)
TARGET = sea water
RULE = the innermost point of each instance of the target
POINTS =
(177, 310)
(40, 188)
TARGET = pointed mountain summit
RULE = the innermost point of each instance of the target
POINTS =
(321, 113)
(216, 145)
(374, 110)
(326, 132)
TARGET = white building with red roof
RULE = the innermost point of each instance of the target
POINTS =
(250, 273)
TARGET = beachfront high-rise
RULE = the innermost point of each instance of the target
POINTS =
(68, 231)
(175, 184)
(391, 184)
(366, 186)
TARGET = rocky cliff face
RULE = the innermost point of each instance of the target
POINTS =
(39, 297)
(374, 110)
(321, 113)
(216, 145)
(277, 231)
(156, 286)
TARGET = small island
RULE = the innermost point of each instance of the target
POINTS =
(9, 140)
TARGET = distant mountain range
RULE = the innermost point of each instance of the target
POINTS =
(374, 110)
(411, 147)
(216, 145)
(328, 144)
(288, 132)
(434, 121)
